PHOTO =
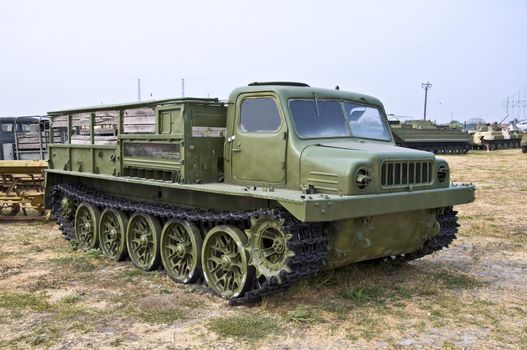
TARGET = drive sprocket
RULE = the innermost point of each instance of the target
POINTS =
(268, 248)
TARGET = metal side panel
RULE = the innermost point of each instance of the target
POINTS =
(333, 208)
(310, 208)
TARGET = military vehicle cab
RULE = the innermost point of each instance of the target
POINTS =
(253, 194)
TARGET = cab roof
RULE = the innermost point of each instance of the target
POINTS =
(290, 90)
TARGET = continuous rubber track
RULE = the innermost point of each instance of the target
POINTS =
(309, 241)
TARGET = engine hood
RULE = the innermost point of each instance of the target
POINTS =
(377, 149)
(333, 167)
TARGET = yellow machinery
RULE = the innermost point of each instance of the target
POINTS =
(21, 187)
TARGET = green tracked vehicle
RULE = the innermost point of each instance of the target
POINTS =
(250, 195)
(425, 135)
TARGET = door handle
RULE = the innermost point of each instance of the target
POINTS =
(236, 150)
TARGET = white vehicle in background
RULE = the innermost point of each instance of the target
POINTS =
(522, 125)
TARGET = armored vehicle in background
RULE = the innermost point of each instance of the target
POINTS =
(492, 137)
(426, 136)
(250, 195)
(524, 143)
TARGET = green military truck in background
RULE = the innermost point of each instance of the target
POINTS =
(426, 136)
(250, 195)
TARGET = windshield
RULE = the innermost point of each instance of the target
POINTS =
(331, 118)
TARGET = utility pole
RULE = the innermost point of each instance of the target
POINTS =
(183, 87)
(426, 86)
(138, 89)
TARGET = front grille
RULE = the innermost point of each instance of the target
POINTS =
(396, 173)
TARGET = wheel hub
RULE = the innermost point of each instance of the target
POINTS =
(279, 246)
(181, 251)
(226, 262)
(143, 241)
(112, 234)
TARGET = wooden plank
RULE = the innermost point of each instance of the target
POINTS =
(80, 119)
(87, 137)
(100, 131)
(59, 121)
(30, 146)
(145, 111)
(106, 114)
(60, 125)
(139, 120)
(28, 140)
(139, 128)
(97, 142)
(22, 166)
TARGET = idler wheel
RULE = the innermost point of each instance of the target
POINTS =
(68, 207)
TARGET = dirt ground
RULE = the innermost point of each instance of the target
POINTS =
(470, 296)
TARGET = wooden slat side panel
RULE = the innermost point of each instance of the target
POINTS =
(139, 120)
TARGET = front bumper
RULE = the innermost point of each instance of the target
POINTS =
(318, 208)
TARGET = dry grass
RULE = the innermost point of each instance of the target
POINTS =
(472, 295)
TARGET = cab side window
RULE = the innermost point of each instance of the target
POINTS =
(259, 115)
(7, 127)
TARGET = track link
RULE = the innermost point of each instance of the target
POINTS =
(309, 241)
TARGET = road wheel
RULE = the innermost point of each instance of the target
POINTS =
(142, 240)
(86, 220)
(180, 250)
(112, 237)
(225, 262)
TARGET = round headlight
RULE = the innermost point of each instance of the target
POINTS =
(362, 178)
(442, 173)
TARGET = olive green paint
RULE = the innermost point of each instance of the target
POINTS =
(206, 161)
(370, 237)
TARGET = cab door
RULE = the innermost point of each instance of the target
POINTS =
(259, 143)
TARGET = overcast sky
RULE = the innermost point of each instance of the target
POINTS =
(61, 54)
